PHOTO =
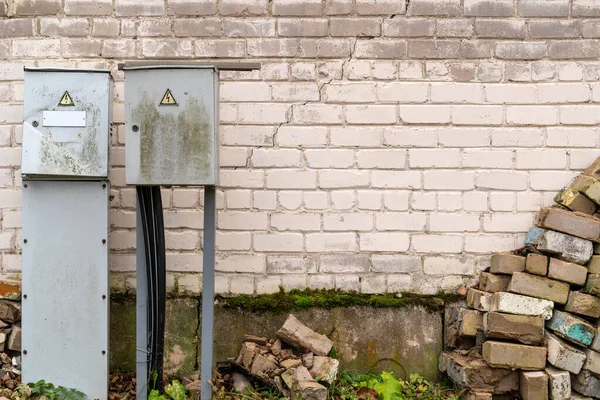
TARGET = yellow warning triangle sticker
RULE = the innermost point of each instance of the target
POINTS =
(66, 100)
(168, 99)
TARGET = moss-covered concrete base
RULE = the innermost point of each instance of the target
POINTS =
(406, 340)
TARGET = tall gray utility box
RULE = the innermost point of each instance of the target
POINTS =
(66, 119)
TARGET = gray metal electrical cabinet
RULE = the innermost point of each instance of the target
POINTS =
(172, 121)
(65, 303)
(66, 117)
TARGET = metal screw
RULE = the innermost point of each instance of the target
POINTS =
(103, 296)
(103, 351)
(104, 186)
(24, 240)
(103, 241)
(25, 185)
(35, 124)
(24, 296)
(135, 128)
(24, 351)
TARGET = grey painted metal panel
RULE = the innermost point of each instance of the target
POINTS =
(65, 276)
(171, 144)
(85, 154)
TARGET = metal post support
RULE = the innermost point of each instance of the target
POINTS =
(141, 316)
(208, 292)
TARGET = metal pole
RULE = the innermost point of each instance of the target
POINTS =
(141, 316)
(208, 292)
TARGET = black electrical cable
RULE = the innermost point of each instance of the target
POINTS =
(150, 203)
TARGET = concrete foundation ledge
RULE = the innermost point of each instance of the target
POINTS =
(369, 332)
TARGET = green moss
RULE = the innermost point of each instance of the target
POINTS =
(303, 299)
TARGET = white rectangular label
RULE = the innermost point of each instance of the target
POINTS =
(63, 118)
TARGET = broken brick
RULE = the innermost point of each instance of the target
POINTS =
(493, 283)
(584, 304)
(475, 374)
(587, 185)
(478, 299)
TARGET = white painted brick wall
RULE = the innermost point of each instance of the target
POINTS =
(396, 163)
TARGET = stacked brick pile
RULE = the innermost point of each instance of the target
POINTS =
(532, 325)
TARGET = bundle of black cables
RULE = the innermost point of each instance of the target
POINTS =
(150, 205)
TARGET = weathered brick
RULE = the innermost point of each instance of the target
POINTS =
(571, 248)
(118, 48)
(88, 7)
(219, 48)
(543, 8)
(574, 49)
(583, 304)
(571, 328)
(594, 264)
(243, 7)
(586, 383)
(271, 47)
(501, 28)
(478, 300)
(413, 27)
(544, 288)
(166, 48)
(196, 28)
(454, 28)
(380, 7)
(16, 27)
(567, 272)
(533, 385)
(469, 322)
(587, 185)
(554, 29)
(435, 7)
(192, 7)
(586, 8)
(493, 283)
(489, 8)
(575, 201)
(297, 7)
(477, 375)
(382, 49)
(133, 8)
(433, 49)
(592, 285)
(579, 225)
(506, 263)
(521, 328)
(106, 27)
(31, 48)
(521, 50)
(481, 49)
(355, 27)
(559, 384)
(511, 355)
(36, 7)
(537, 264)
(301, 27)
(563, 355)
